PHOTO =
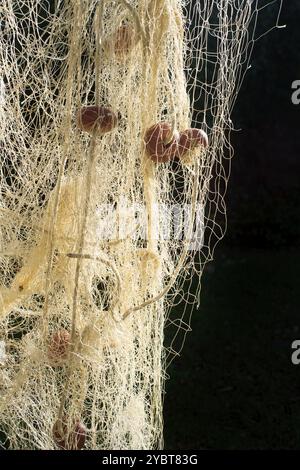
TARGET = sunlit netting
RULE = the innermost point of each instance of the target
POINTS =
(112, 200)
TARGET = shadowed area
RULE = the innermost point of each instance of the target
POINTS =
(235, 386)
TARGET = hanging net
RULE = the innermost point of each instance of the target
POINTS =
(115, 155)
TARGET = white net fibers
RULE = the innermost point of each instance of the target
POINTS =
(112, 200)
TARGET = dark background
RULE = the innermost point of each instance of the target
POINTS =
(234, 386)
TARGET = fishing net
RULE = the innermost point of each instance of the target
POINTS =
(115, 155)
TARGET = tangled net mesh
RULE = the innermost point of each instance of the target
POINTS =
(92, 262)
